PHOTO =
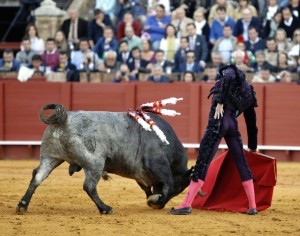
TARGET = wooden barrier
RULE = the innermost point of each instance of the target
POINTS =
(277, 115)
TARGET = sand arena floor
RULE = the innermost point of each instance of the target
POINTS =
(60, 207)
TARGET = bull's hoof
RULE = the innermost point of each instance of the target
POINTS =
(107, 211)
(20, 210)
(154, 201)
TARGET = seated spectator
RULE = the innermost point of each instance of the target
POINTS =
(249, 58)
(155, 25)
(61, 42)
(216, 60)
(169, 44)
(210, 74)
(198, 44)
(238, 58)
(147, 54)
(202, 26)
(264, 76)
(261, 62)
(37, 65)
(271, 52)
(295, 50)
(220, 3)
(282, 42)
(84, 59)
(295, 8)
(123, 75)
(254, 43)
(271, 9)
(157, 75)
(110, 63)
(25, 55)
(106, 43)
(216, 29)
(181, 22)
(242, 5)
(107, 6)
(74, 28)
(51, 56)
(272, 25)
(289, 23)
(97, 25)
(243, 24)
(8, 63)
(137, 65)
(128, 20)
(132, 39)
(37, 43)
(190, 64)
(160, 59)
(64, 65)
(152, 4)
(180, 54)
(188, 77)
(124, 55)
(284, 77)
(226, 44)
(285, 63)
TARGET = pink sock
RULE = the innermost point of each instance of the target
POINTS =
(249, 189)
(191, 194)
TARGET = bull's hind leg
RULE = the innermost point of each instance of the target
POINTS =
(38, 175)
(92, 178)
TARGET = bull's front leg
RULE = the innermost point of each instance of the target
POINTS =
(92, 177)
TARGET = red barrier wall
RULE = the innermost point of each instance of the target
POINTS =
(277, 115)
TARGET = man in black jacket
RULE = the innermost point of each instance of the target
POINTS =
(64, 65)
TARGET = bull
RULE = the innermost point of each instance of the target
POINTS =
(110, 142)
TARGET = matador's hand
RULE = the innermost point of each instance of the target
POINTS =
(219, 111)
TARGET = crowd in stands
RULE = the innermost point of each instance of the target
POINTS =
(127, 38)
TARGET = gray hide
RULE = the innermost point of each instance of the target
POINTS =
(112, 142)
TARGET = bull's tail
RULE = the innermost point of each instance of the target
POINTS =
(59, 116)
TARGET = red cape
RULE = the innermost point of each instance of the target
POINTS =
(224, 189)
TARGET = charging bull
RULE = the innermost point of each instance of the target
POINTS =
(110, 142)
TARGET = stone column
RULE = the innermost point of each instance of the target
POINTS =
(48, 19)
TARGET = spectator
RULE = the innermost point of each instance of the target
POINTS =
(8, 63)
(271, 9)
(157, 75)
(110, 63)
(67, 67)
(282, 42)
(181, 22)
(238, 57)
(97, 25)
(190, 64)
(138, 65)
(155, 25)
(165, 64)
(295, 50)
(271, 52)
(24, 56)
(210, 74)
(216, 60)
(146, 53)
(249, 57)
(51, 56)
(284, 77)
(225, 44)
(152, 4)
(284, 63)
(295, 8)
(107, 6)
(198, 44)
(216, 30)
(188, 77)
(131, 38)
(202, 26)
(272, 25)
(170, 43)
(84, 59)
(180, 54)
(128, 20)
(135, 7)
(123, 75)
(61, 42)
(74, 28)
(37, 65)
(243, 24)
(124, 55)
(261, 62)
(106, 43)
(255, 42)
(220, 3)
(289, 23)
(37, 43)
(243, 4)
(189, 6)
(264, 76)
